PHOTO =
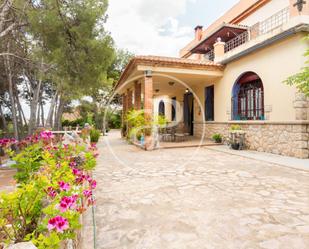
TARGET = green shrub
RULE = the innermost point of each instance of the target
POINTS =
(28, 162)
(138, 125)
(114, 121)
(217, 138)
(94, 135)
(235, 128)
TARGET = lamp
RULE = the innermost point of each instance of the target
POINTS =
(148, 73)
(187, 90)
(300, 5)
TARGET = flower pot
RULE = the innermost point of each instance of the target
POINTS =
(235, 146)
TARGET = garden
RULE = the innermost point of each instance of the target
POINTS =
(54, 187)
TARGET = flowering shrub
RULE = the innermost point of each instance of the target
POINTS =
(7, 142)
(54, 188)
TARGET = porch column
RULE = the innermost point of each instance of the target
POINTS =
(129, 99)
(124, 112)
(137, 95)
(148, 107)
(219, 49)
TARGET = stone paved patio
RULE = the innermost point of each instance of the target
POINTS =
(180, 199)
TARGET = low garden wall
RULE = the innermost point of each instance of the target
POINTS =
(283, 138)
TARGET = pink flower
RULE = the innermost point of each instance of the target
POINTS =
(59, 223)
(93, 147)
(51, 192)
(80, 178)
(64, 186)
(73, 164)
(93, 183)
(7, 142)
(76, 172)
(90, 201)
(87, 193)
(67, 202)
(46, 135)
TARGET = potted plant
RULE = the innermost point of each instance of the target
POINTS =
(236, 137)
(217, 138)
(94, 136)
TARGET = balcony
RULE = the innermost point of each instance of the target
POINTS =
(235, 36)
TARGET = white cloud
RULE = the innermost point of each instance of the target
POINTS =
(149, 27)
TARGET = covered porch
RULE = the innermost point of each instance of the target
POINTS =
(169, 87)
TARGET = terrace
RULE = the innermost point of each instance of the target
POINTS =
(228, 40)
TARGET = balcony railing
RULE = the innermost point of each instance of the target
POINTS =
(237, 41)
(274, 21)
(260, 28)
(210, 55)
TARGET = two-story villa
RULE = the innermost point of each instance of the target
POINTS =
(233, 72)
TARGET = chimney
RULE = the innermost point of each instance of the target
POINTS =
(198, 32)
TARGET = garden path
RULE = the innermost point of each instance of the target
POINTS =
(183, 198)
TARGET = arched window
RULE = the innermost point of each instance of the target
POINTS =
(248, 98)
(161, 108)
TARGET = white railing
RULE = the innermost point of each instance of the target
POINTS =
(237, 41)
(274, 21)
(261, 28)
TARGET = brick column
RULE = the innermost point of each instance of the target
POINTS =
(137, 96)
(148, 107)
(219, 49)
(301, 106)
(124, 111)
(129, 99)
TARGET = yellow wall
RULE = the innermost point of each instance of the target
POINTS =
(274, 65)
(168, 106)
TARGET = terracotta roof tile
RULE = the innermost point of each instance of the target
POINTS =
(176, 60)
(152, 60)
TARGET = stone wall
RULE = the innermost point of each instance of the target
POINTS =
(286, 138)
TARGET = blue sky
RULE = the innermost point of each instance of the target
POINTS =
(160, 27)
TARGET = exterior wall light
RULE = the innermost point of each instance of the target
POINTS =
(299, 4)
(148, 73)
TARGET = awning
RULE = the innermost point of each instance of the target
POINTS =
(226, 32)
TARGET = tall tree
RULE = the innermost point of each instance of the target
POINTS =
(73, 39)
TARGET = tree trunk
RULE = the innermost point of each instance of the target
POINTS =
(20, 118)
(34, 103)
(38, 116)
(59, 113)
(96, 113)
(49, 120)
(42, 114)
(55, 113)
(21, 111)
(11, 94)
(4, 124)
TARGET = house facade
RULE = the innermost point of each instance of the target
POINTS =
(232, 72)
